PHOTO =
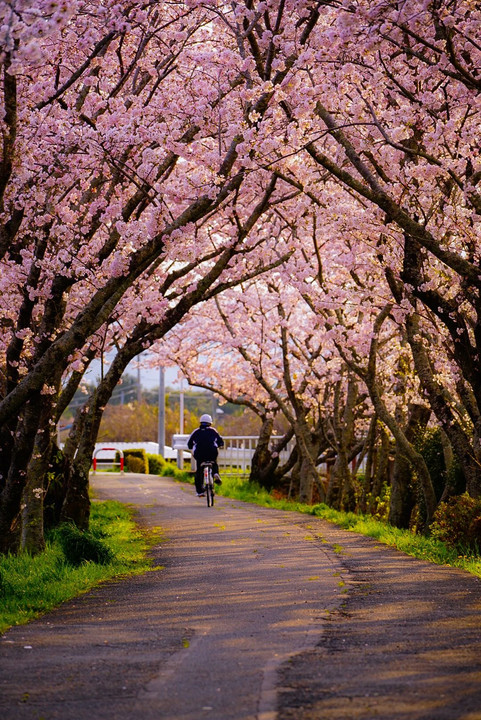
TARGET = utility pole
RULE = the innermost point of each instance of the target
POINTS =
(139, 386)
(181, 408)
(214, 408)
(161, 426)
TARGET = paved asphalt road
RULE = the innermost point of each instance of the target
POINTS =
(256, 615)
(240, 592)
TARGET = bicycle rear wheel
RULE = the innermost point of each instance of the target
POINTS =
(209, 493)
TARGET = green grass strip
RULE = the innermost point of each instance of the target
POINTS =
(30, 586)
(419, 546)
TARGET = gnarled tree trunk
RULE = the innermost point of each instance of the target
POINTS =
(263, 463)
(402, 497)
(265, 467)
(308, 452)
(11, 496)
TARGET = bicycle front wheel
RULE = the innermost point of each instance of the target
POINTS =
(209, 493)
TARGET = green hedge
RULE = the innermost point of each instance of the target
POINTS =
(156, 464)
(135, 460)
(165, 468)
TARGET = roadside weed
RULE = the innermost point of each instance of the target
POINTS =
(29, 586)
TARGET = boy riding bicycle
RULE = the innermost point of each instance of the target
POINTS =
(205, 442)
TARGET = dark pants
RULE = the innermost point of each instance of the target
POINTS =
(199, 473)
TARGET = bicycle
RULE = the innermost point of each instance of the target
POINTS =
(208, 482)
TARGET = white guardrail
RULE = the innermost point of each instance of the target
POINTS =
(236, 455)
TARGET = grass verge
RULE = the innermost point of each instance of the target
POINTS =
(29, 586)
(418, 546)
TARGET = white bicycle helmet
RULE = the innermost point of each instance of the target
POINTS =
(206, 419)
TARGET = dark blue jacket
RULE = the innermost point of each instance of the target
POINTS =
(205, 442)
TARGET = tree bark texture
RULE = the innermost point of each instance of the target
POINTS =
(340, 492)
(381, 468)
(461, 442)
(11, 496)
(263, 464)
(402, 497)
(308, 453)
(408, 450)
(370, 464)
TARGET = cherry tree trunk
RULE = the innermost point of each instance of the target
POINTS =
(7, 433)
(81, 443)
(76, 503)
(348, 497)
(263, 464)
(455, 480)
(402, 496)
(402, 499)
(381, 469)
(56, 486)
(341, 493)
(294, 480)
(11, 496)
(308, 474)
(76, 506)
(412, 455)
(32, 538)
(334, 488)
(370, 464)
(266, 468)
(32, 507)
(32, 511)
(79, 449)
(306, 482)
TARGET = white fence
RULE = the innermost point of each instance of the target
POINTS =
(236, 455)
